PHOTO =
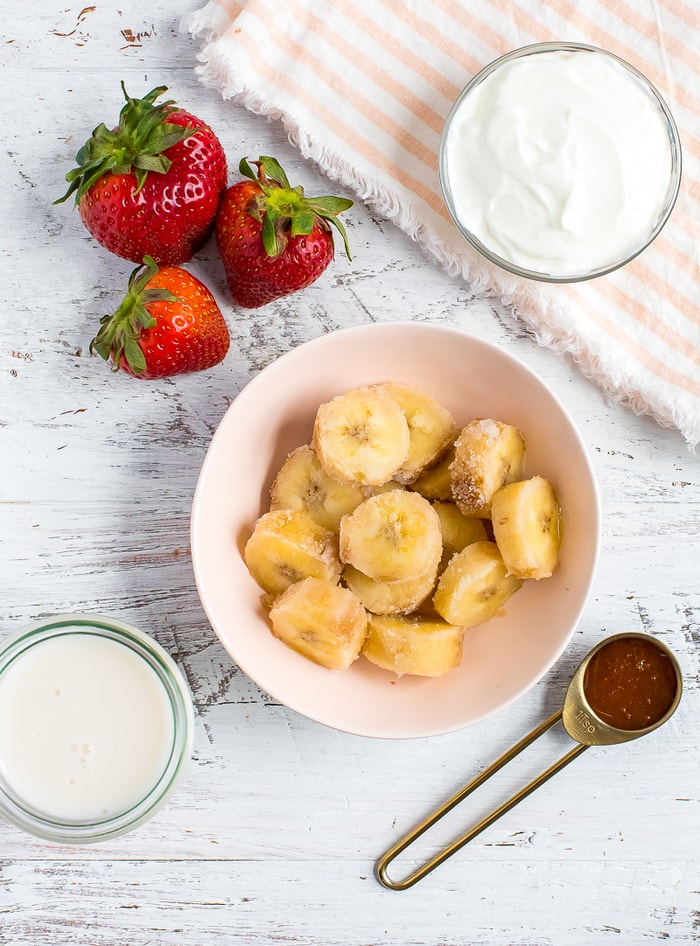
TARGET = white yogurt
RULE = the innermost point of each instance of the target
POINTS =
(86, 727)
(559, 162)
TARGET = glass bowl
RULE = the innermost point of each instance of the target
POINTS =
(545, 186)
(141, 675)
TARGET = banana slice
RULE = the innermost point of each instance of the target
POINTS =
(287, 546)
(488, 455)
(321, 621)
(413, 644)
(474, 586)
(389, 597)
(436, 482)
(431, 429)
(303, 485)
(458, 531)
(527, 527)
(382, 488)
(361, 436)
(394, 536)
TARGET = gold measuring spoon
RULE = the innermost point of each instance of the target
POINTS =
(627, 686)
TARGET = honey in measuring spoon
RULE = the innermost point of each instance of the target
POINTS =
(630, 683)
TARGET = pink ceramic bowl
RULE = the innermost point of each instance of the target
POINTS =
(274, 414)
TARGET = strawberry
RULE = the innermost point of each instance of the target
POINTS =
(272, 239)
(152, 185)
(168, 323)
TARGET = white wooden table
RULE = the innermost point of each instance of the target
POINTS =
(273, 834)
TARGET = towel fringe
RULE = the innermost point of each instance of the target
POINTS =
(218, 70)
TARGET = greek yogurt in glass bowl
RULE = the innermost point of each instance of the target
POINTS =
(560, 162)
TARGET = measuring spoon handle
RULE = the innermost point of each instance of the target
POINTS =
(408, 839)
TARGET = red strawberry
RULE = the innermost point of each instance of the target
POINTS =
(152, 185)
(168, 323)
(272, 239)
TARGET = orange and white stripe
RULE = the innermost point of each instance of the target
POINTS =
(365, 88)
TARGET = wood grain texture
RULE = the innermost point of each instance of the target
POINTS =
(273, 834)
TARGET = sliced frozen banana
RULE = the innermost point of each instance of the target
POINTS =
(458, 531)
(431, 429)
(474, 586)
(321, 621)
(286, 546)
(382, 488)
(527, 526)
(394, 536)
(361, 436)
(488, 455)
(389, 597)
(303, 485)
(436, 482)
(426, 647)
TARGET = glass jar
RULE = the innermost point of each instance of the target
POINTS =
(77, 684)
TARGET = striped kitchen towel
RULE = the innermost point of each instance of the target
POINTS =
(363, 90)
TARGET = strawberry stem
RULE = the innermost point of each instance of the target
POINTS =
(119, 332)
(135, 146)
(285, 210)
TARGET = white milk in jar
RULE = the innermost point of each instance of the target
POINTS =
(560, 161)
(94, 727)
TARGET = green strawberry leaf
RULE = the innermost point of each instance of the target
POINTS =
(137, 145)
(152, 162)
(134, 355)
(330, 205)
(273, 171)
(100, 343)
(284, 210)
(269, 235)
(141, 318)
(120, 332)
(303, 222)
(247, 171)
